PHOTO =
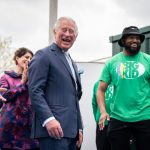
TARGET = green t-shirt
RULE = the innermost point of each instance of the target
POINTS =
(108, 101)
(130, 76)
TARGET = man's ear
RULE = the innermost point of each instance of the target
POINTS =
(123, 41)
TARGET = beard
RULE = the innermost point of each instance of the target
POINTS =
(132, 50)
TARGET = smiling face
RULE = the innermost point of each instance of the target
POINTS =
(132, 44)
(65, 33)
(21, 61)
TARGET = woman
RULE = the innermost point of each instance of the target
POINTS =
(16, 112)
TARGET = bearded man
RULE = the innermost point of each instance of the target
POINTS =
(129, 72)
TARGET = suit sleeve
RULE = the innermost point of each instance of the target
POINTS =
(38, 74)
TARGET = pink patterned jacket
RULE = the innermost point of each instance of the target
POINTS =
(16, 114)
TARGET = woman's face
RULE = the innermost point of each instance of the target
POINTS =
(23, 60)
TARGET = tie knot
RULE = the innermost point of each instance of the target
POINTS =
(66, 53)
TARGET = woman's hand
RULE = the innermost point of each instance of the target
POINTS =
(25, 73)
(1, 97)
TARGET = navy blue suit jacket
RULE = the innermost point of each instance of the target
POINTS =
(53, 92)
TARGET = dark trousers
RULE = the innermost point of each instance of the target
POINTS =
(120, 133)
(57, 144)
(102, 142)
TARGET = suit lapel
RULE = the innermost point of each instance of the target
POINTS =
(61, 57)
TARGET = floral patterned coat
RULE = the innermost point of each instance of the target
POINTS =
(16, 114)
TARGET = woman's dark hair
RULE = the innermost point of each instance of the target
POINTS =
(20, 52)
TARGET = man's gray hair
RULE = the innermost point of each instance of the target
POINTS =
(58, 22)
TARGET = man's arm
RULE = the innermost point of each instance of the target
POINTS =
(94, 101)
(101, 103)
(38, 75)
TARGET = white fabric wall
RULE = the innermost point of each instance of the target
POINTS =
(88, 78)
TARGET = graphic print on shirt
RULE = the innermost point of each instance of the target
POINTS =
(109, 92)
(130, 70)
(109, 96)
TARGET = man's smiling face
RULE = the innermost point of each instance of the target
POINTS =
(65, 34)
(132, 44)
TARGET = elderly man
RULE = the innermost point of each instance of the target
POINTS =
(55, 90)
